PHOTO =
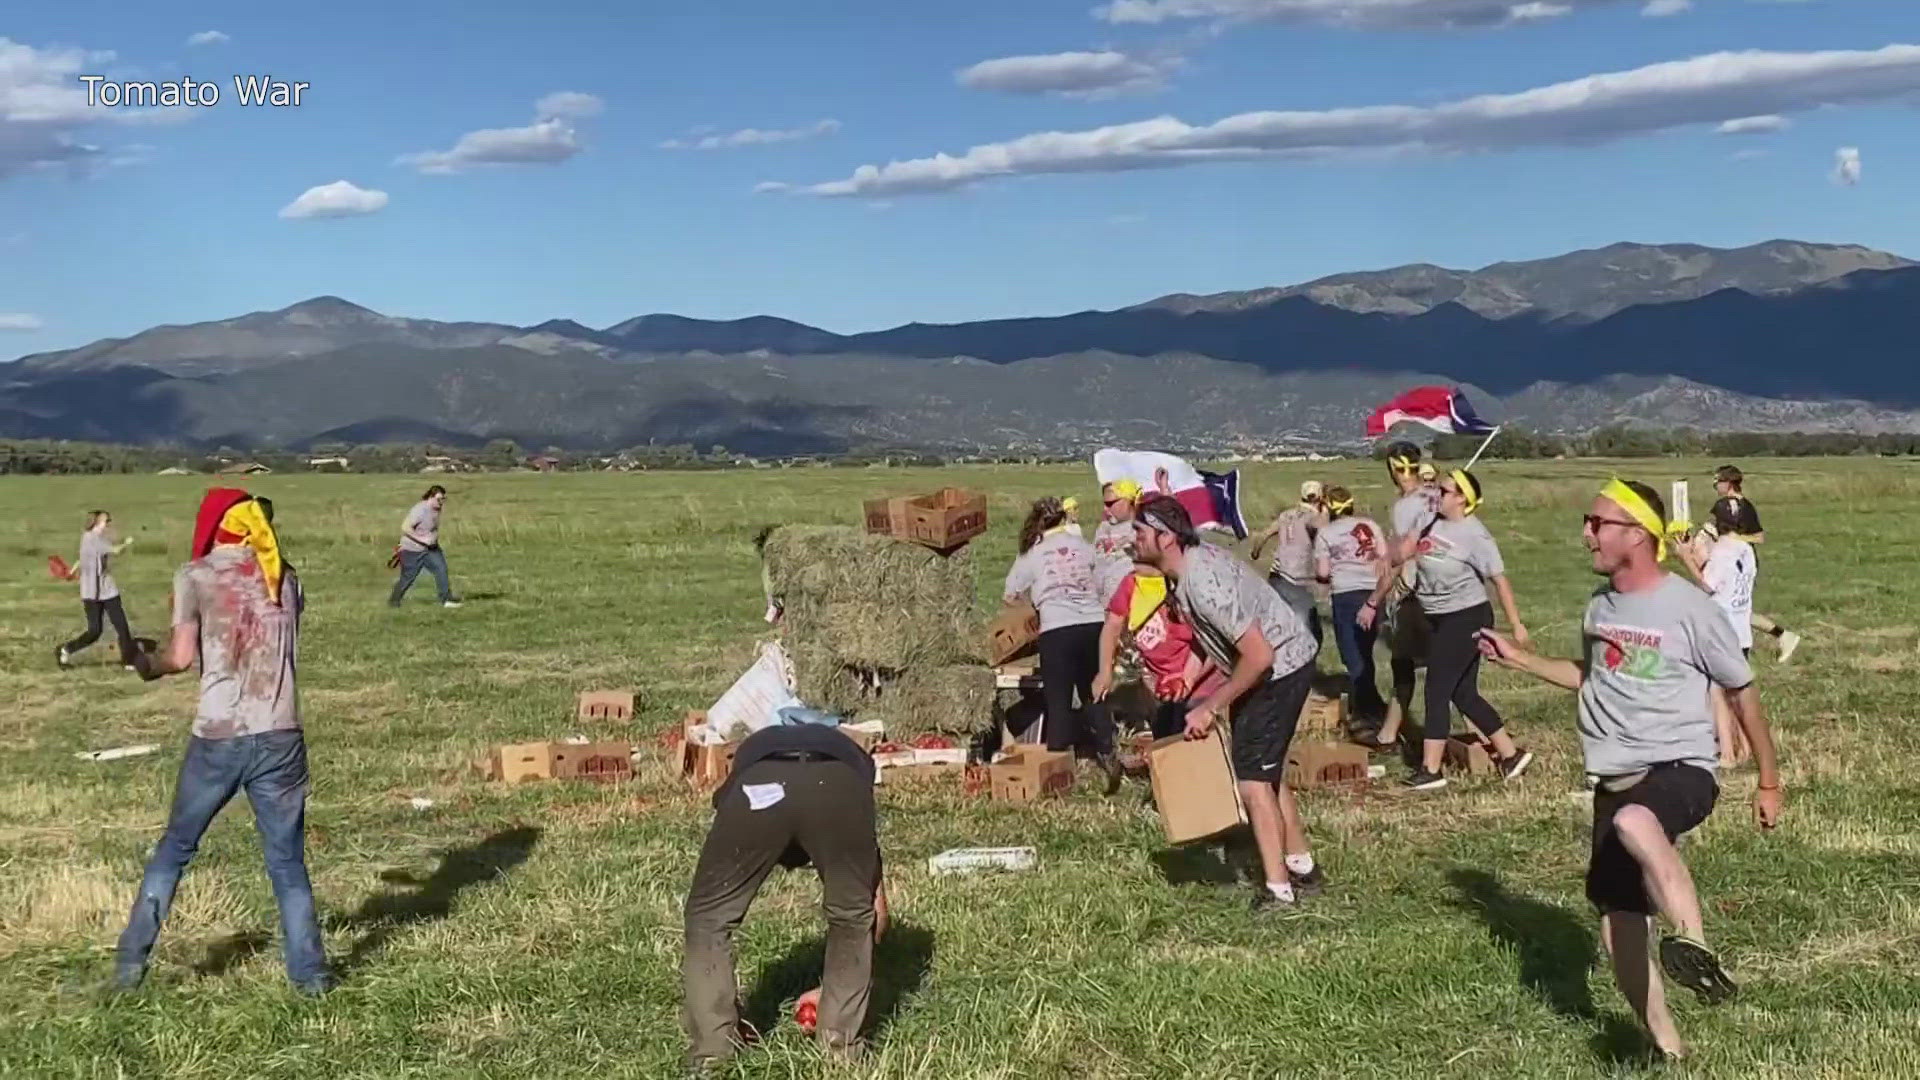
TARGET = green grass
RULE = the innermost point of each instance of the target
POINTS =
(534, 931)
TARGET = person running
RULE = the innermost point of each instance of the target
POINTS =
(420, 548)
(1405, 627)
(1291, 573)
(1653, 644)
(1113, 538)
(1178, 676)
(236, 613)
(1055, 571)
(1350, 556)
(1724, 565)
(1729, 482)
(99, 593)
(799, 794)
(1248, 632)
(1457, 560)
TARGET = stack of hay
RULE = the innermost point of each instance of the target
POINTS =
(874, 625)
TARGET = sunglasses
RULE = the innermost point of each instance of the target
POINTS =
(1594, 521)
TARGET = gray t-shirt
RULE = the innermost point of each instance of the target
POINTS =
(1293, 544)
(1057, 574)
(1457, 558)
(247, 643)
(96, 581)
(1412, 511)
(423, 520)
(1650, 658)
(1113, 555)
(1354, 545)
(1223, 597)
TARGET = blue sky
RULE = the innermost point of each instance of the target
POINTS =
(112, 220)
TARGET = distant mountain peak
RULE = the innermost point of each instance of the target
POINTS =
(327, 310)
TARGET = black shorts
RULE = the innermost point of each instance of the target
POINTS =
(1680, 796)
(1263, 722)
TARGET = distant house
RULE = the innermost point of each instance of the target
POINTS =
(544, 464)
(339, 463)
(244, 468)
(174, 470)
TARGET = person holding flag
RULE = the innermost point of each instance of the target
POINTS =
(1405, 626)
(1653, 645)
(1212, 500)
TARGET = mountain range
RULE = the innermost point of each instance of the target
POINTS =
(1781, 335)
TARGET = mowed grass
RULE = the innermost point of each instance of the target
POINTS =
(534, 931)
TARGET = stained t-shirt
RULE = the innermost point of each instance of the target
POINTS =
(1222, 597)
(1729, 575)
(96, 580)
(1354, 545)
(1164, 641)
(1293, 547)
(1651, 656)
(1112, 555)
(1457, 558)
(423, 520)
(1412, 511)
(1057, 573)
(247, 643)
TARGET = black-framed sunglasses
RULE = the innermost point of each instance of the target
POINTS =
(1594, 521)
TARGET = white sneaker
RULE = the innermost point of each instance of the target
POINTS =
(1789, 641)
(450, 603)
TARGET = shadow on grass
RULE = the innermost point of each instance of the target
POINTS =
(1558, 950)
(901, 961)
(232, 951)
(1227, 859)
(432, 898)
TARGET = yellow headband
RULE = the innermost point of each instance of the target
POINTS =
(1402, 464)
(1126, 489)
(1070, 504)
(1343, 504)
(1636, 507)
(1469, 493)
(247, 522)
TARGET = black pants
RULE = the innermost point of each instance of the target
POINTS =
(1453, 671)
(1069, 662)
(111, 609)
(823, 815)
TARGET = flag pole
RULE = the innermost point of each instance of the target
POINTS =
(1484, 443)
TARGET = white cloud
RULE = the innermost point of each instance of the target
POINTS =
(755, 137)
(1356, 14)
(1660, 9)
(209, 37)
(19, 321)
(1846, 165)
(1585, 111)
(338, 199)
(1071, 73)
(1754, 125)
(569, 103)
(43, 110)
(549, 140)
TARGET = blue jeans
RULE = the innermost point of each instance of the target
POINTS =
(411, 563)
(272, 767)
(1356, 652)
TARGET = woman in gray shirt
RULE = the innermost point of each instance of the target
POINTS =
(1458, 559)
(99, 593)
(1056, 571)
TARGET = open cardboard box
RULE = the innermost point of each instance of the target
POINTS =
(1013, 633)
(1029, 774)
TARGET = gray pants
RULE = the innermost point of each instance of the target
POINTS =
(825, 817)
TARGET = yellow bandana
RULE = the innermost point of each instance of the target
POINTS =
(1149, 595)
(1637, 509)
(247, 522)
(1401, 464)
(1340, 507)
(1469, 494)
(1126, 489)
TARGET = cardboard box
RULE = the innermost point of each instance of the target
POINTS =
(705, 767)
(1323, 717)
(605, 705)
(1326, 764)
(1013, 633)
(1193, 787)
(866, 735)
(888, 517)
(605, 762)
(1029, 774)
(516, 763)
(1468, 757)
(933, 772)
(946, 519)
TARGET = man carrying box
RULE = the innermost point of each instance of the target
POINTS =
(1248, 631)
(799, 793)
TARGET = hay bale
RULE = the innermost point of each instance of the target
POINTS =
(870, 601)
(956, 699)
(821, 680)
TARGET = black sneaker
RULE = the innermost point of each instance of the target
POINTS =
(1265, 903)
(1422, 780)
(1511, 768)
(1311, 883)
(1696, 967)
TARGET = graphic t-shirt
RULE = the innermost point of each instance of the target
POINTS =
(247, 643)
(1650, 658)
(1057, 574)
(1457, 558)
(1355, 546)
(1222, 598)
(1412, 511)
(1112, 554)
(424, 521)
(1746, 520)
(96, 581)
(1164, 641)
(1293, 544)
(1730, 574)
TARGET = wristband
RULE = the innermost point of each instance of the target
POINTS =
(1764, 787)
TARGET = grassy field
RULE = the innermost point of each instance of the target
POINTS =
(534, 931)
